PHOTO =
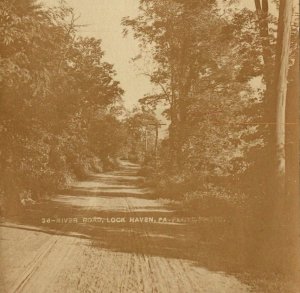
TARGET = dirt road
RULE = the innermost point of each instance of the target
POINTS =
(107, 234)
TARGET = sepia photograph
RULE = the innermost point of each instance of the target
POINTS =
(149, 146)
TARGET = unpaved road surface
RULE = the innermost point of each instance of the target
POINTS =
(107, 234)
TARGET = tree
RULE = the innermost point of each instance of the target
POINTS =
(202, 68)
(55, 87)
(262, 10)
(140, 133)
(221, 127)
(282, 68)
(286, 207)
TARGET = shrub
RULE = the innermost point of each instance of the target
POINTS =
(214, 201)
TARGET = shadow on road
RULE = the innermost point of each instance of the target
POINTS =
(114, 213)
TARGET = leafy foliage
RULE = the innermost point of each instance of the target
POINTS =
(204, 63)
(56, 94)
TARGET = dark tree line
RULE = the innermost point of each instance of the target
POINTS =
(59, 102)
(230, 81)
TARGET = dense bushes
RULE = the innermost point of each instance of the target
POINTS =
(214, 68)
(57, 96)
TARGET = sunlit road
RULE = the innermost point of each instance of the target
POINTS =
(106, 234)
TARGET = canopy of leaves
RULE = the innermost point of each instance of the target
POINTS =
(56, 91)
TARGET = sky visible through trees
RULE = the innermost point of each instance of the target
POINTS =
(199, 98)
(103, 20)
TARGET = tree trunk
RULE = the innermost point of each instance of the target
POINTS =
(262, 11)
(292, 200)
(285, 204)
(277, 245)
(283, 49)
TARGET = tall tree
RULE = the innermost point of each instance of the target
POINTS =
(54, 87)
(287, 136)
(281, 82)
(262, 10)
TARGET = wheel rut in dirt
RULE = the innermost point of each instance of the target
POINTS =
(81, 247)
